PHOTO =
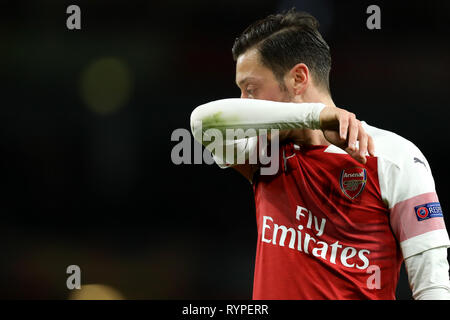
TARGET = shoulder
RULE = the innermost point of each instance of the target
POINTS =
(395, 149)
(403, 170)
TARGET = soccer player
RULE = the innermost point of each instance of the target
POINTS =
(349, 202)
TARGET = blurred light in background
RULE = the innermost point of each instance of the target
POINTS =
(96, 292)
(106, 85)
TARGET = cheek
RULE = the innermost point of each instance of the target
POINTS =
(274, 93)
(271, 92)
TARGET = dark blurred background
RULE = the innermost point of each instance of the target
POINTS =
(86, 119)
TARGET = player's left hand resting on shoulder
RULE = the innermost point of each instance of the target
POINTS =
(342, 129)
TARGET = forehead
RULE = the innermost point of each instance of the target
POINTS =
(248, 65)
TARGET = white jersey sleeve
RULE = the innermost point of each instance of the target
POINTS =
(250, 116)
(407, 187)
(428, 274)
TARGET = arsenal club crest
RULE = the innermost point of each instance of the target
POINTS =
(353, 180)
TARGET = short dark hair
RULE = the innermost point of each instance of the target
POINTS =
(286, 39)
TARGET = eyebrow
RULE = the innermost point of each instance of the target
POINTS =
(242, 81)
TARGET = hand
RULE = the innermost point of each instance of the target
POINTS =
(342, 129)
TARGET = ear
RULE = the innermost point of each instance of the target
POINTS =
(299, 75)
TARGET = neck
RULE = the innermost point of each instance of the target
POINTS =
(308, 136)
(313, 95)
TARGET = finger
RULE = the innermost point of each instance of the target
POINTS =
(363, 141)
(355, 155)
(371, 147)
(343, 126)
(353, 132)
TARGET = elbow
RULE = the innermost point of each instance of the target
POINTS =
(196, 124)
(204, 117)
(195, 118)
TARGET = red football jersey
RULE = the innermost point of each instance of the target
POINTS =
(328, 228)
